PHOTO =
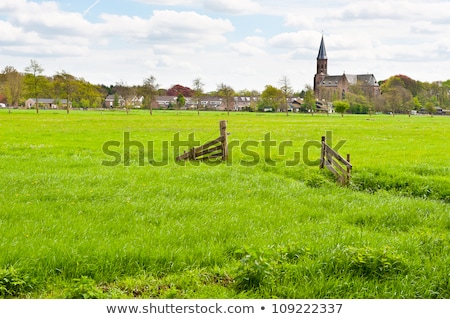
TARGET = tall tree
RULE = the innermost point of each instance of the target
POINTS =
(181, 102)
(197, 92)
(430, 108)
(397, 97)
(65, 85)
(150, 91)
(309, 99)
(88, 95)
(34, 80)
(127, 93)
(286, 91)
(271, 97)
(227, 93)
(12, 85)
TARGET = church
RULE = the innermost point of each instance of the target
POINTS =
(328, 88)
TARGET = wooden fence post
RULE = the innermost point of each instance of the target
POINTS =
(349, 170)
(335, 163)
(224, 136)
(322, 152)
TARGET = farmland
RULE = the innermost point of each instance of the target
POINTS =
(75, 227)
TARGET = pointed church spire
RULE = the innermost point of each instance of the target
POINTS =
(322, 60)
(322, 51)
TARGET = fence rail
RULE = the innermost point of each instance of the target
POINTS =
(335, 163)
(217, 148)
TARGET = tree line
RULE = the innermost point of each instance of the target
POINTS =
(398, 94)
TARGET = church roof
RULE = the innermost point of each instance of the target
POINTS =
(322, 51)
(331, 80)
(352, 79)
(367, 79)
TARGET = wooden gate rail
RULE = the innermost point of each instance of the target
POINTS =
(217, 148)
(338, 165)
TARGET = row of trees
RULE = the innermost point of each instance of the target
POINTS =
(17, 87)
(399, 94)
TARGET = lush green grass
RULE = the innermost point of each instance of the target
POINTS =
(73, 228)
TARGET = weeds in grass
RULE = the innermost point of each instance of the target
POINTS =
(14, 282)
(371, 263)
(434, 187)
(254, 269)
(84, 288)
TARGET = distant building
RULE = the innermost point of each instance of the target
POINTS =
(334, 87)
(47, 103)
(110, 100)
(213, 103)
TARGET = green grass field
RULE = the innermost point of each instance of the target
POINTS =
(74, 228)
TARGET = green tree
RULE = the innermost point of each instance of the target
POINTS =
(127, 93)
(88, 95)
(417, 104)
(65, 86)
(397, 98)
(429, 106)
(150, 91)
(34, 80)
(341, 106)
(197, 92)
(12, 85)
(271, 97)
(309, 99)
(181, 102)
(286, 92)
(227, 93)
(358, 103)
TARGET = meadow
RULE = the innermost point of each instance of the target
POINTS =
(73, 227)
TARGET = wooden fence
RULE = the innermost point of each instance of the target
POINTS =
(338, 165)
(217, 148)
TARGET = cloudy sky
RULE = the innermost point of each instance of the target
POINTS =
(246, 44)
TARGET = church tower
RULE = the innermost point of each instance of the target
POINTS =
(322, 67)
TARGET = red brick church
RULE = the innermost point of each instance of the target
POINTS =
(334, 87)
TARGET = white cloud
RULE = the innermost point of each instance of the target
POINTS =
(233, 6)
(251, 46)
(299, 20)
(10, 33)
(168, 26)
(294, 40)
(46, 17)
(395, 10)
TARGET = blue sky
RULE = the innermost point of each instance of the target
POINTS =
(246, 44)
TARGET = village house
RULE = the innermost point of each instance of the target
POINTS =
(212, 103)
(243, 103)
(111, 99)
(47, 103)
